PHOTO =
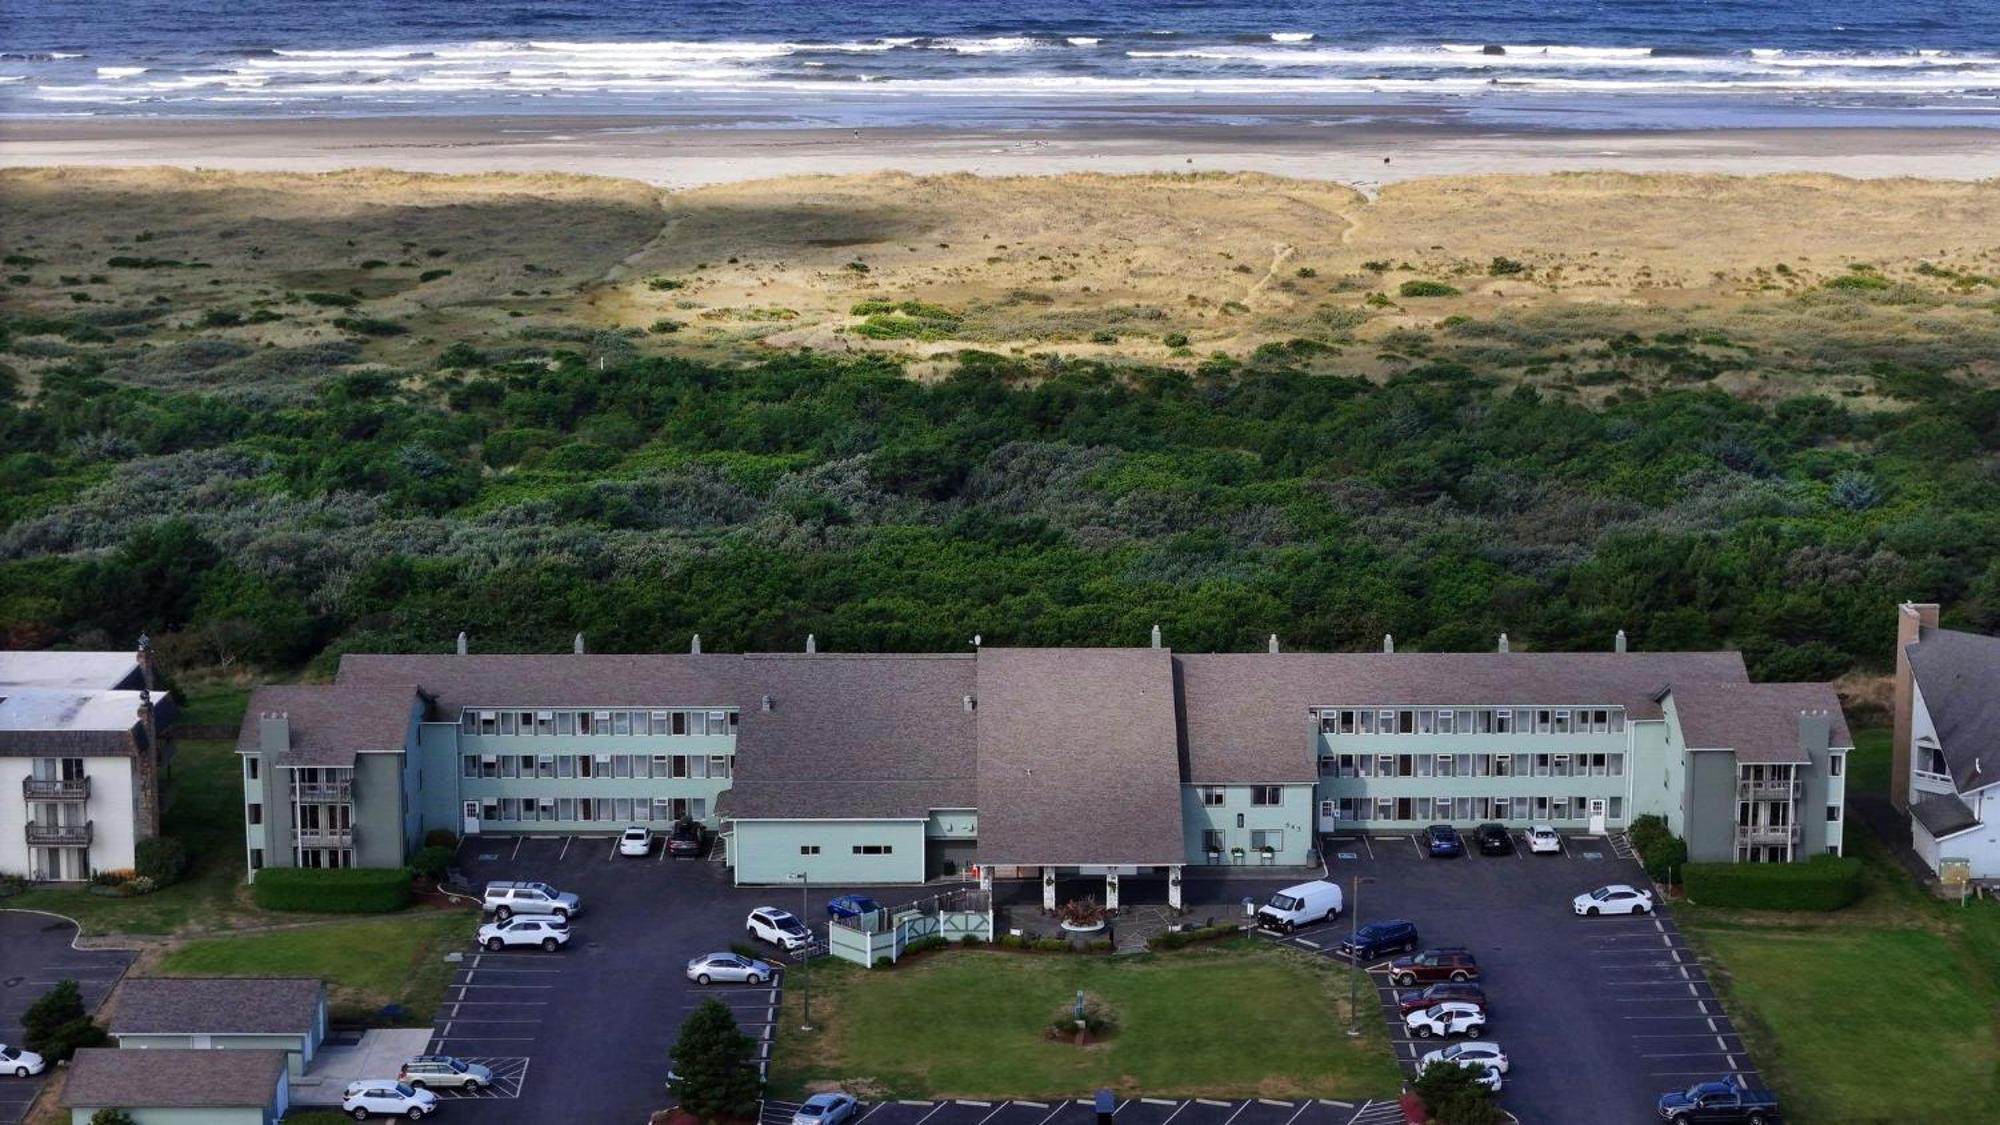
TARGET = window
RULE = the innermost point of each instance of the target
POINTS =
(1832, 813)
(1212, 796)
(1833, 764)
(254, 813)
(1213, 840)
(468, 721)
(1617, 765)
(1503, 722)
(256, 859)
(1503, 765)
(250, 767)
(1541, 765)
(1424, 765)
(1367, 721)
(1617, 810)
(874, 849)
(1931, 760)
(1385, 809)
(1405, 765)
(1266, 795)
(808, 849)
(1426, 721)
(1424, 806)
(1445, 765)
(1544, 721)
(1267, 839)
(1406, 722)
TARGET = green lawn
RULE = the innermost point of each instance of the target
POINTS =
(366, 964)
(1240, 1020)
(1868, 765)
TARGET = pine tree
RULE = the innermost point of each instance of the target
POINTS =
(710, 1056)
(56, 1024)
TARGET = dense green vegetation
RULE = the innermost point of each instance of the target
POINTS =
(342, 890)
(1823, 882)
(1032, 501)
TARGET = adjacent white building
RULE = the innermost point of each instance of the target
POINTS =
(1946, 771)
(82, 744)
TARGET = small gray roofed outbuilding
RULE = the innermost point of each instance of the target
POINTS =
(1248, 715)
(217, 1006)
(172, 1078)
(1943, 814)
(1760, 722)
(1077, 758)
(330, 723)
(1959, 675)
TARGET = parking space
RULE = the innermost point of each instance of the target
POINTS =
(35, 954)
(585, 1032)
(1605, 1011)
(1128, 1111)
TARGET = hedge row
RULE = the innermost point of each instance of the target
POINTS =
(1174, 939)
(339, 890)
(1823, 882)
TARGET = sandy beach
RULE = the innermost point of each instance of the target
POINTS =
(1393, 144)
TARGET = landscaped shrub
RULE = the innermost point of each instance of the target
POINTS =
(368, 326)
(431, 862)
(1426, 289)
(332, 300)
(1824, 882)
(161, 859)
(1175, 939)
(111, 1116)
(1647, 830)
(57, 1025)
(441, 838)
(1665, 859)
(343, 890)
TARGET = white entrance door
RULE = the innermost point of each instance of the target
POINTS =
(1326, 817)
(471, 826)
(1597, 816)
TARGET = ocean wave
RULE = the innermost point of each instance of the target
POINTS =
(1291, 36)
(115, 72)
(1082, 41)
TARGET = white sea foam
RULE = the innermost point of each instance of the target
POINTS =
(1082, 41)
(1291, 36)
(115, 72)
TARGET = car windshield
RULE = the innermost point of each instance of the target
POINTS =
(635, 833)
(405, 1090)
(1601, 893)
(811, 1110)
(9, 1053)
(1284, 902)
(1454, 1051)
(791, 925)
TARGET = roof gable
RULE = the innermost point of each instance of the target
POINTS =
(1960, 677)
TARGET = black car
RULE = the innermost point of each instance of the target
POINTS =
(689, 840)
(1377, 939)
(1494, 839)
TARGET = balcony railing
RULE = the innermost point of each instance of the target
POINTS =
(62, 789)
(59, 835)
(1767, 834)
(315, 792)
(1769, 790)
(326, 837)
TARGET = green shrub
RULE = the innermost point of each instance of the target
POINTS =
(1858, 281)
(111, 1116)
(161, 859)
(56, 1024)
(1824, 882)
(431, 862)
(1307, 273)
(342, 890)
(665, 284)
(1175, 340)
(331, 300)
(664, 326)
(1175, 939)
(1454, 1096)
(1504, 267)
(1052, 945)
(1666, 858)
(368, 326)
(1647, 830)
(460, 354)
(221, 318)
(123, 262)
(1426, 289)
(441, 838)
(433, 275)
(924, 945)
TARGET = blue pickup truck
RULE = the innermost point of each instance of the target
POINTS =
(1723, 1100)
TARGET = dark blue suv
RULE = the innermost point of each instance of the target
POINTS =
(1377, 939)
(1442, 840)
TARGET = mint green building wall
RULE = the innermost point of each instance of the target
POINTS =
(436, 762)
(768, 853)
(1292, 818)
(448, 741)
(205, 1116)
(1661, 773)
(294, 1045)
(379, 811)
(1607, 786)
(274, 835)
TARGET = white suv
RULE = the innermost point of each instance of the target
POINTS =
(387, 1097)
(508, 899)
(549, 933)
(768, 923)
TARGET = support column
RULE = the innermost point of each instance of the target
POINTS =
(986, 878)
(1111, 890)
(1174, 887)
(1048, 888)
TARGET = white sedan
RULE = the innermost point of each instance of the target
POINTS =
(1542, 839)
(730, 967)
(19, 1063)
(1468, 1054)
(636, 841)
(1451, 1018)
(1614, 899)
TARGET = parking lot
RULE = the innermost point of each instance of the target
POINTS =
(35, 953)
(1133, 1111)
(583, 1034)
(1598, 1016)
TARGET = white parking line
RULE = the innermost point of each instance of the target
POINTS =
(1233, 1116)
(1303, 1106)
(1211, 1101)
(931, 1114)
(988, 1117)
(565, 849)
(517, 849)
(1176, 1113)
(1043, 1121)
(1159, 1101)
(1031, 1105)
(871, 1109)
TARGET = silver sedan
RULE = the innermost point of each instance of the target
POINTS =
(711, 967)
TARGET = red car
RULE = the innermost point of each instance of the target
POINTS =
(1453, 964)
(1408, 1002)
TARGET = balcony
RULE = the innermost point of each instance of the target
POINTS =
(325, 837)
(67, 789)
(323, 792)
(1766, 834)
(59, 835)
(1769, 790)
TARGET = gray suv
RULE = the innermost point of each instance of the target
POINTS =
(444, 1072)
(508, 899)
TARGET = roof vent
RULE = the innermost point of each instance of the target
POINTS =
(578, 643)
(1273, 644)
(1388, 643)
(812, 643)
(1156, 636)
(1618, 642)
(694, 646)
(1503, 642)
(769, 702)
(976, 638)
(461, 642)
(970, 704)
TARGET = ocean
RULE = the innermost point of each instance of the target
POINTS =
(1551, 63)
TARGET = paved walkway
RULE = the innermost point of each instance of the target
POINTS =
(1128, 1111)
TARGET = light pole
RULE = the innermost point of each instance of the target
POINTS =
(805, 965)
(1354, 943)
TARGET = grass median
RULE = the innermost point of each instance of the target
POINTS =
(366, 965)
(1241, 1019)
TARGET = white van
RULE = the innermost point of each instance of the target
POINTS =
(1317, 901)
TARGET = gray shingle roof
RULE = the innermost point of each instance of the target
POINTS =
(1758, 721)
(1247, 713)
(1077, 760)
(331, 723)
(1959, 674)
(554, 680)
(216, 1006)
(853, 735)
(1942, 814)
(101, 1077)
